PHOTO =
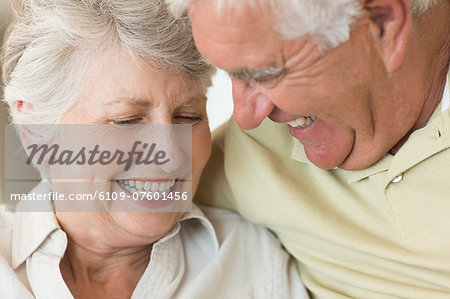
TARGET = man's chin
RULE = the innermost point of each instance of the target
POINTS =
(357, 161)
(324, 159)
(331, 155)
(327, 160)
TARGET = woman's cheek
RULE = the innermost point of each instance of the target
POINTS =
(201, 150)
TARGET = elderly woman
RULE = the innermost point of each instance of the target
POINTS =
(120, 63)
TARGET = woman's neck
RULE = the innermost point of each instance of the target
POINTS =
(88, 270)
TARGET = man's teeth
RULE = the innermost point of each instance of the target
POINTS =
(140, 186)
(302, 121)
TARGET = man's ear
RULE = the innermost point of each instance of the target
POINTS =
(391, 20)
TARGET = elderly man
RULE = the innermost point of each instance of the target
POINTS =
(352, 168)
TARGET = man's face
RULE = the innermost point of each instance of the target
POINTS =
(358, 118)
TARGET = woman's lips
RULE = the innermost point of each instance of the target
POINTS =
(151, 185)
(153, 194)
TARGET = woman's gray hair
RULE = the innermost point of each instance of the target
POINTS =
(47, 46)
(326, 21)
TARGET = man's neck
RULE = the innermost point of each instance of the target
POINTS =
(435, 61)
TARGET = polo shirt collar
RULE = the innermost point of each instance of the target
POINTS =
(382, 165)
(298, 152)
(32, 229)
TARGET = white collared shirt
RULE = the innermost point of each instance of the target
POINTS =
(209, 254)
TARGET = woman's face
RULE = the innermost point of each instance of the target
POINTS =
(121, 92)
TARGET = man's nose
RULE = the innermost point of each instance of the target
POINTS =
(251, 105)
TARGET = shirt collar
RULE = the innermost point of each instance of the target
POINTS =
(32, 229)
(207, 225)
(298, 152)
(188, 218)
(382, 165)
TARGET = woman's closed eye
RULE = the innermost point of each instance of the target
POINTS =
(187, 119)
(126, 121)
(183, 119)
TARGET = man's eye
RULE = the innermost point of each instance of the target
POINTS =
(270, 79)
(266, 79)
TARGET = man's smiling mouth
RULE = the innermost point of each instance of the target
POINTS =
(302, 122)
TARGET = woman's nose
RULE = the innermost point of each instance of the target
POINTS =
(251, 106)
(174, 149)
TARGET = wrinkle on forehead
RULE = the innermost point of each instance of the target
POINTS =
(235, 8)
(235, 37)
(248, 19)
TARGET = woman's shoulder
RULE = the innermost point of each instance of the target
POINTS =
(251, 253)
(6, 227)
(12, 278)
(232, 227)
(228, 218)
(6, 218)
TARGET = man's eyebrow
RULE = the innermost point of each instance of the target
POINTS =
(247, 75)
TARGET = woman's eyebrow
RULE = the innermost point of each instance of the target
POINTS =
(193, 100)
(145, 103)
(130, 101)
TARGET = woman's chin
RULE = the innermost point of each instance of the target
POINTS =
(144, 227)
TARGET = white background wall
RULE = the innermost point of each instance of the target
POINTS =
(220, 101)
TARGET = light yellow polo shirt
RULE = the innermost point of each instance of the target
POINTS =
(382, 232)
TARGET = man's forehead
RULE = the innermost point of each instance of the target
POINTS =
(234, 38)
(244, 18)
(233, 8)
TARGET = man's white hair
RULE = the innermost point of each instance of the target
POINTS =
(51, 42)
(326, 21)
